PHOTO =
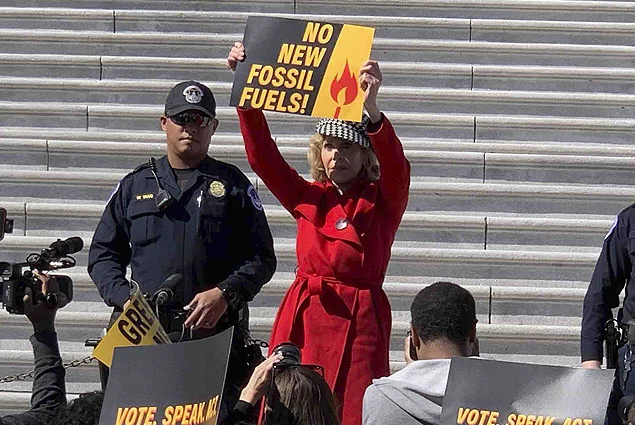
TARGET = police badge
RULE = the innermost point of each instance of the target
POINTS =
(217, 189)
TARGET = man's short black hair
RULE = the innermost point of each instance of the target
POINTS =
(443, 310)
(84, 410)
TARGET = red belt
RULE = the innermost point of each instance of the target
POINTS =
(316, 283)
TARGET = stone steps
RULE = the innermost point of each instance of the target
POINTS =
(167, 21)
(405, 99)
(64, 138)
(423, 74)
(425, 196)
(80, 325)
(415, 260)
(430, 165)
(455, 127)
(564, 10)
(505, 9)
(38, 41)
(474, 231)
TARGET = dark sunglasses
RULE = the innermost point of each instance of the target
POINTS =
(185, 118)
(314, 367)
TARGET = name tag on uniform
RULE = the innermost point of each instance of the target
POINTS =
(145, 196)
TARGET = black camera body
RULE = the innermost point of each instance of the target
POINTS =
(15, 278)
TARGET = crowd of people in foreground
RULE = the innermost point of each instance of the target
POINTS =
(292, 393)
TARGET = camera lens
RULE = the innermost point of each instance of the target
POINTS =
(625, 404)
(291, 354)
(51, 300)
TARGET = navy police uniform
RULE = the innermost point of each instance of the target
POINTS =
(613, 273)
(204, 223)
(214, 233)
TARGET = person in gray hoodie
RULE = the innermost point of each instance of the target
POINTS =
(443, 326)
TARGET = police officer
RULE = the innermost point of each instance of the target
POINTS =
(614, 271)
(190, 214)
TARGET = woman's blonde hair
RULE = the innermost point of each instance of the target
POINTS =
(370, 165)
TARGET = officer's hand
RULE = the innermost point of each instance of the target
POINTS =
(42, 315)
(206, 308)
(259, 381)
(591, 364)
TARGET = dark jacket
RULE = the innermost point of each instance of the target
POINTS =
(613, 272)
(215, 234)
(49, 391)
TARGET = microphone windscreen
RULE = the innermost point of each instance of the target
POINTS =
(75, 244)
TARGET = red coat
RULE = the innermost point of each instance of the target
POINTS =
(336, 309)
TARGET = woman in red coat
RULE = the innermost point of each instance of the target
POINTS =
(336, 309)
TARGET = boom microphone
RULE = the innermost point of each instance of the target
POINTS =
(62, 248)
(165, 292)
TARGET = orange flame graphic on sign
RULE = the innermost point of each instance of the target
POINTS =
(346, 84)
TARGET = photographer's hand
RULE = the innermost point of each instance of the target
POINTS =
(41, 315)
(259, 381)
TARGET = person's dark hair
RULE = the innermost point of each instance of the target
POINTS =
(626, 409)
(301, 396)
(443, 310)
(84, 410)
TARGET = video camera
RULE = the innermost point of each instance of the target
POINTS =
(17, 277)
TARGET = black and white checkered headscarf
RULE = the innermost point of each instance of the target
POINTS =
(354, 132)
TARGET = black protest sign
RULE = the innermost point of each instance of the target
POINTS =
(487, 392)
(167, 384)
(302, 67)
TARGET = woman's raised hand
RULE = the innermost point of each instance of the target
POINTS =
(236, 54)
(370, 81)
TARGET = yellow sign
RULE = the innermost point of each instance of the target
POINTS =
(340, 95)
(137, 325)
(302, 67)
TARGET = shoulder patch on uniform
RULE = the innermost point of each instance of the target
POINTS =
(113, 193)
(612, 229)
(255, 199)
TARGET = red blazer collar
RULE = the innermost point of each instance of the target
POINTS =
(336, 224)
